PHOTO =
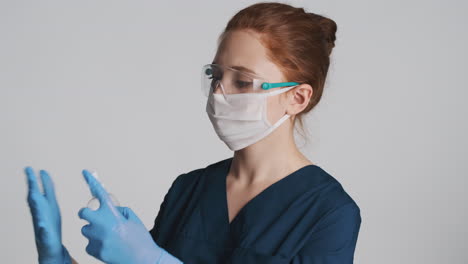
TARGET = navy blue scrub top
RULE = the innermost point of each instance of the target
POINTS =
(305, 217)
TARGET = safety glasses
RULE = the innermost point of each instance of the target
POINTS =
(217, 78)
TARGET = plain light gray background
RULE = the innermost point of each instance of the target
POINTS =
(115, 86)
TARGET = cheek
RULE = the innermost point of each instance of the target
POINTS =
(274, 109)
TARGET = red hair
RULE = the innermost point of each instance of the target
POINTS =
(300, 43)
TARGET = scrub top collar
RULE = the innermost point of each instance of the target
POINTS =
(214, 208)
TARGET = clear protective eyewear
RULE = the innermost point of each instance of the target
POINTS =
(217, 78)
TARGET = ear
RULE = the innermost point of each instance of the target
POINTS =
(298, 98)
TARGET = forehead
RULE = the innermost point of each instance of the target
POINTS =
(244, 48)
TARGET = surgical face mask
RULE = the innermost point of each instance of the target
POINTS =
(240, 120)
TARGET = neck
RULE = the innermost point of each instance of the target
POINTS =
(269, 159)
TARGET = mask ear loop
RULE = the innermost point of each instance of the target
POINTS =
(285, 116)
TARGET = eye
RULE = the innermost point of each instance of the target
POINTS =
(243, 84)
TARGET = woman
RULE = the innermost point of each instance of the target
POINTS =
(266, 204)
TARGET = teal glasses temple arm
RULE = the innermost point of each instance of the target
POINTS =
(266, 86)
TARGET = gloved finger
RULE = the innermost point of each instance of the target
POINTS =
(34, 207)
(32, 180)
(94, 248)
(36, 203)
(86, 230)
(89, 215)
(129, 214)
(33, 200)
(48, 186)
(98, 191)
(123, 211)
(38, 221)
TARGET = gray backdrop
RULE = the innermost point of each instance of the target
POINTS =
(115, 86)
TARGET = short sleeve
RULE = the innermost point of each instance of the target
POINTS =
(334, 240)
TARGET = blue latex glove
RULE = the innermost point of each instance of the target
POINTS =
(45, 214)
(116, 235)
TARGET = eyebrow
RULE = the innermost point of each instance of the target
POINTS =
(240, 68)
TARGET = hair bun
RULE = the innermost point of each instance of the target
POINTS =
(328, 27)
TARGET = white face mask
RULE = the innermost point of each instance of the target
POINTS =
(241, 119)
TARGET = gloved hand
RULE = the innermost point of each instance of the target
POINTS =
(116, 235)
(45, 214)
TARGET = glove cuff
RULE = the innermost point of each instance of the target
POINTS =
(166, 258)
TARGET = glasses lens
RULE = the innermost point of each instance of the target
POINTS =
(219, 79)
